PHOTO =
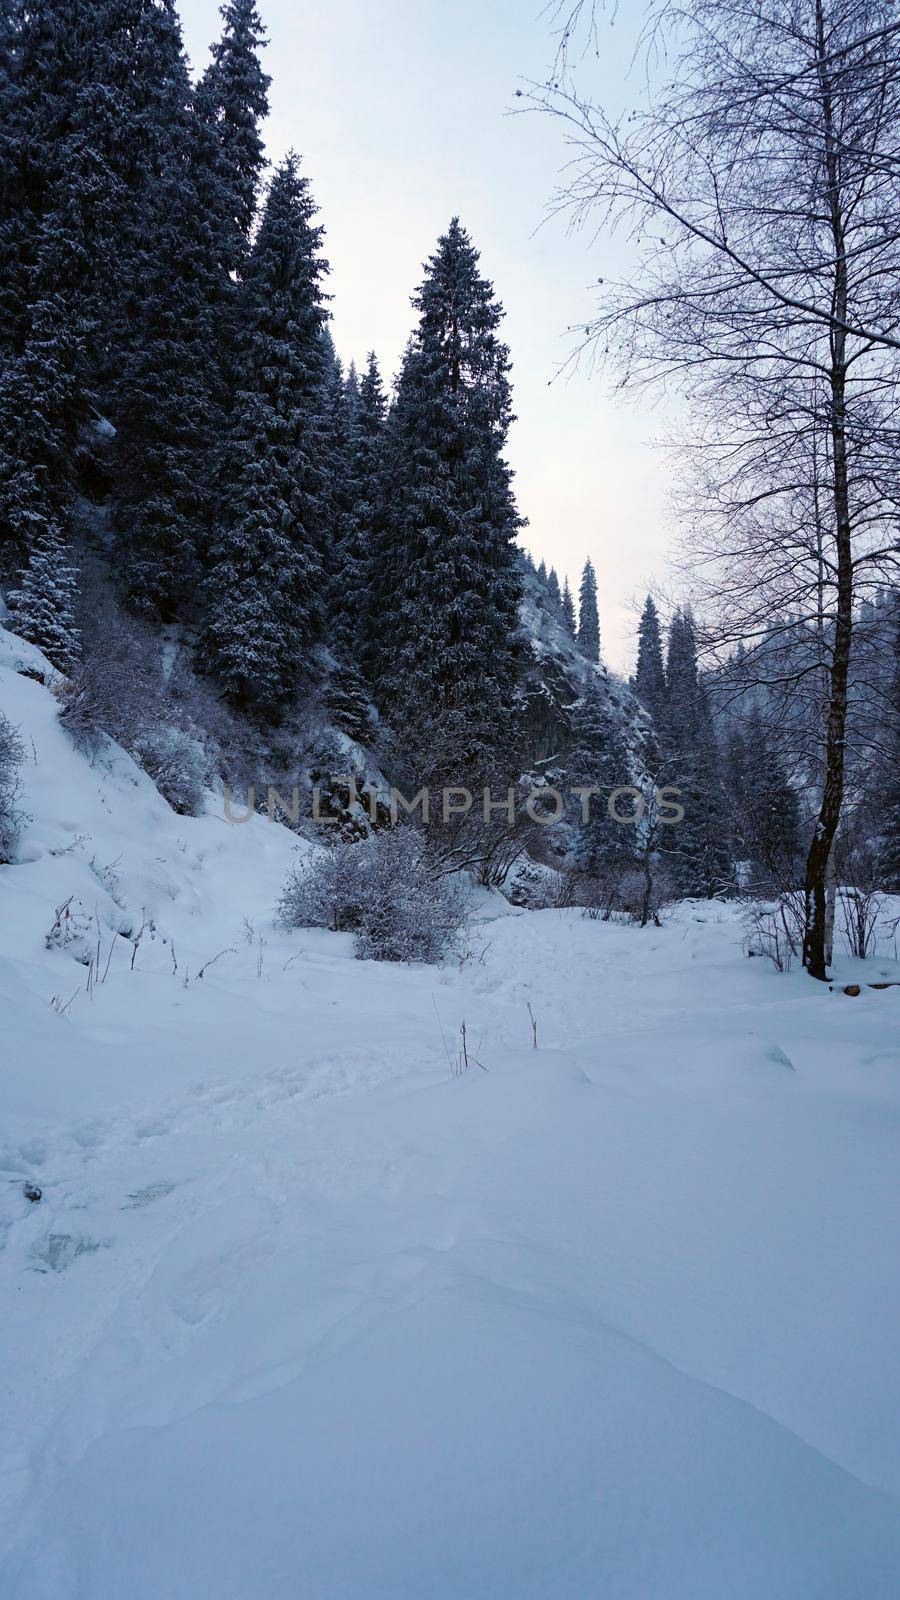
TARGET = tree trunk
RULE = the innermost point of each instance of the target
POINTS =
(647, 899)
(816, 921)
(830, 905)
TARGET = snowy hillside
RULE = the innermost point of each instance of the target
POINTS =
(303, 1311)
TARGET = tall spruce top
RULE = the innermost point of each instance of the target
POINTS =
(650, 677)
(447, 569)
(588, 617)
(233, 96)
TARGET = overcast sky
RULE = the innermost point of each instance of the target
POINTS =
(400, 112)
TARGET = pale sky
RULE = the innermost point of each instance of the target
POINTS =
(399, 110)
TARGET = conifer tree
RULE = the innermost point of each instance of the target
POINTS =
(232, 98)
(334, 430)
(650, 677)
(588, 619)
(448, 574)
(598, 759)
(263, 592)
(173, 376)
(542, 571)
(700, 849)
(764, 805)
(568, 610)
(87, 104)
(554, 591)
(172, 402)
(354, 577)
(43, 607)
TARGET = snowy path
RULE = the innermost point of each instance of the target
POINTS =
(347, 1325)
(303, 1316)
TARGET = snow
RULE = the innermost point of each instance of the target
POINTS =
(303, 1313)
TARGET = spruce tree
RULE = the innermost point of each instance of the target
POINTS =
(174, 385)
(598, 759)
(354, 577)
(232, 98)
(447, 572)
(88, 112)
(568, 610)
(263, 592)
(43, 606)
(588, 619)
(764, 805)
(86, 104)
(650, 677)
(554, 592)
(700, 850)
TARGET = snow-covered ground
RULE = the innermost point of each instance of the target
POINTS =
(302, 1314)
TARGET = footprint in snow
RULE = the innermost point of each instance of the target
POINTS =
(57, 1251)
(145, 1197)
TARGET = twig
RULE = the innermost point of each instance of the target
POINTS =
(465, 1052)
(533, 1025)
(61, 1010)
(231, 950)
(111, 948)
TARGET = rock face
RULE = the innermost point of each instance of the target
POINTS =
(554, 679)
(547, 695)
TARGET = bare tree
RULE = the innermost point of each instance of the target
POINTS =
(759, 186)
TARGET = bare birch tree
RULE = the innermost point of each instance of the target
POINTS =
(758, 186)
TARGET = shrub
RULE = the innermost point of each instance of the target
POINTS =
(118, 689)
(12, 754)
(774, 928)
(324, 891)
(178, 765)
(386, 890)
(409, 913)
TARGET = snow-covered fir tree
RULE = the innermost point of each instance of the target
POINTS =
(700, 845)
(650, 676)
(353, 575)
(554, 591)
(79, 121)
(764, 805)
(335, 427)
(588, 618)
(568, 610)
(37, 398)
(170, 412)
(598, 759)
(263, 592)
(232, 97)
(448, 579)
(43, 606)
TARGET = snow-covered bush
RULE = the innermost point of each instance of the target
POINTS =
(409, 913)
(12, 753)
(120, 689)
(386, 890)
(324, 890)
(117, 689)
(775, 929)
(178, 765)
